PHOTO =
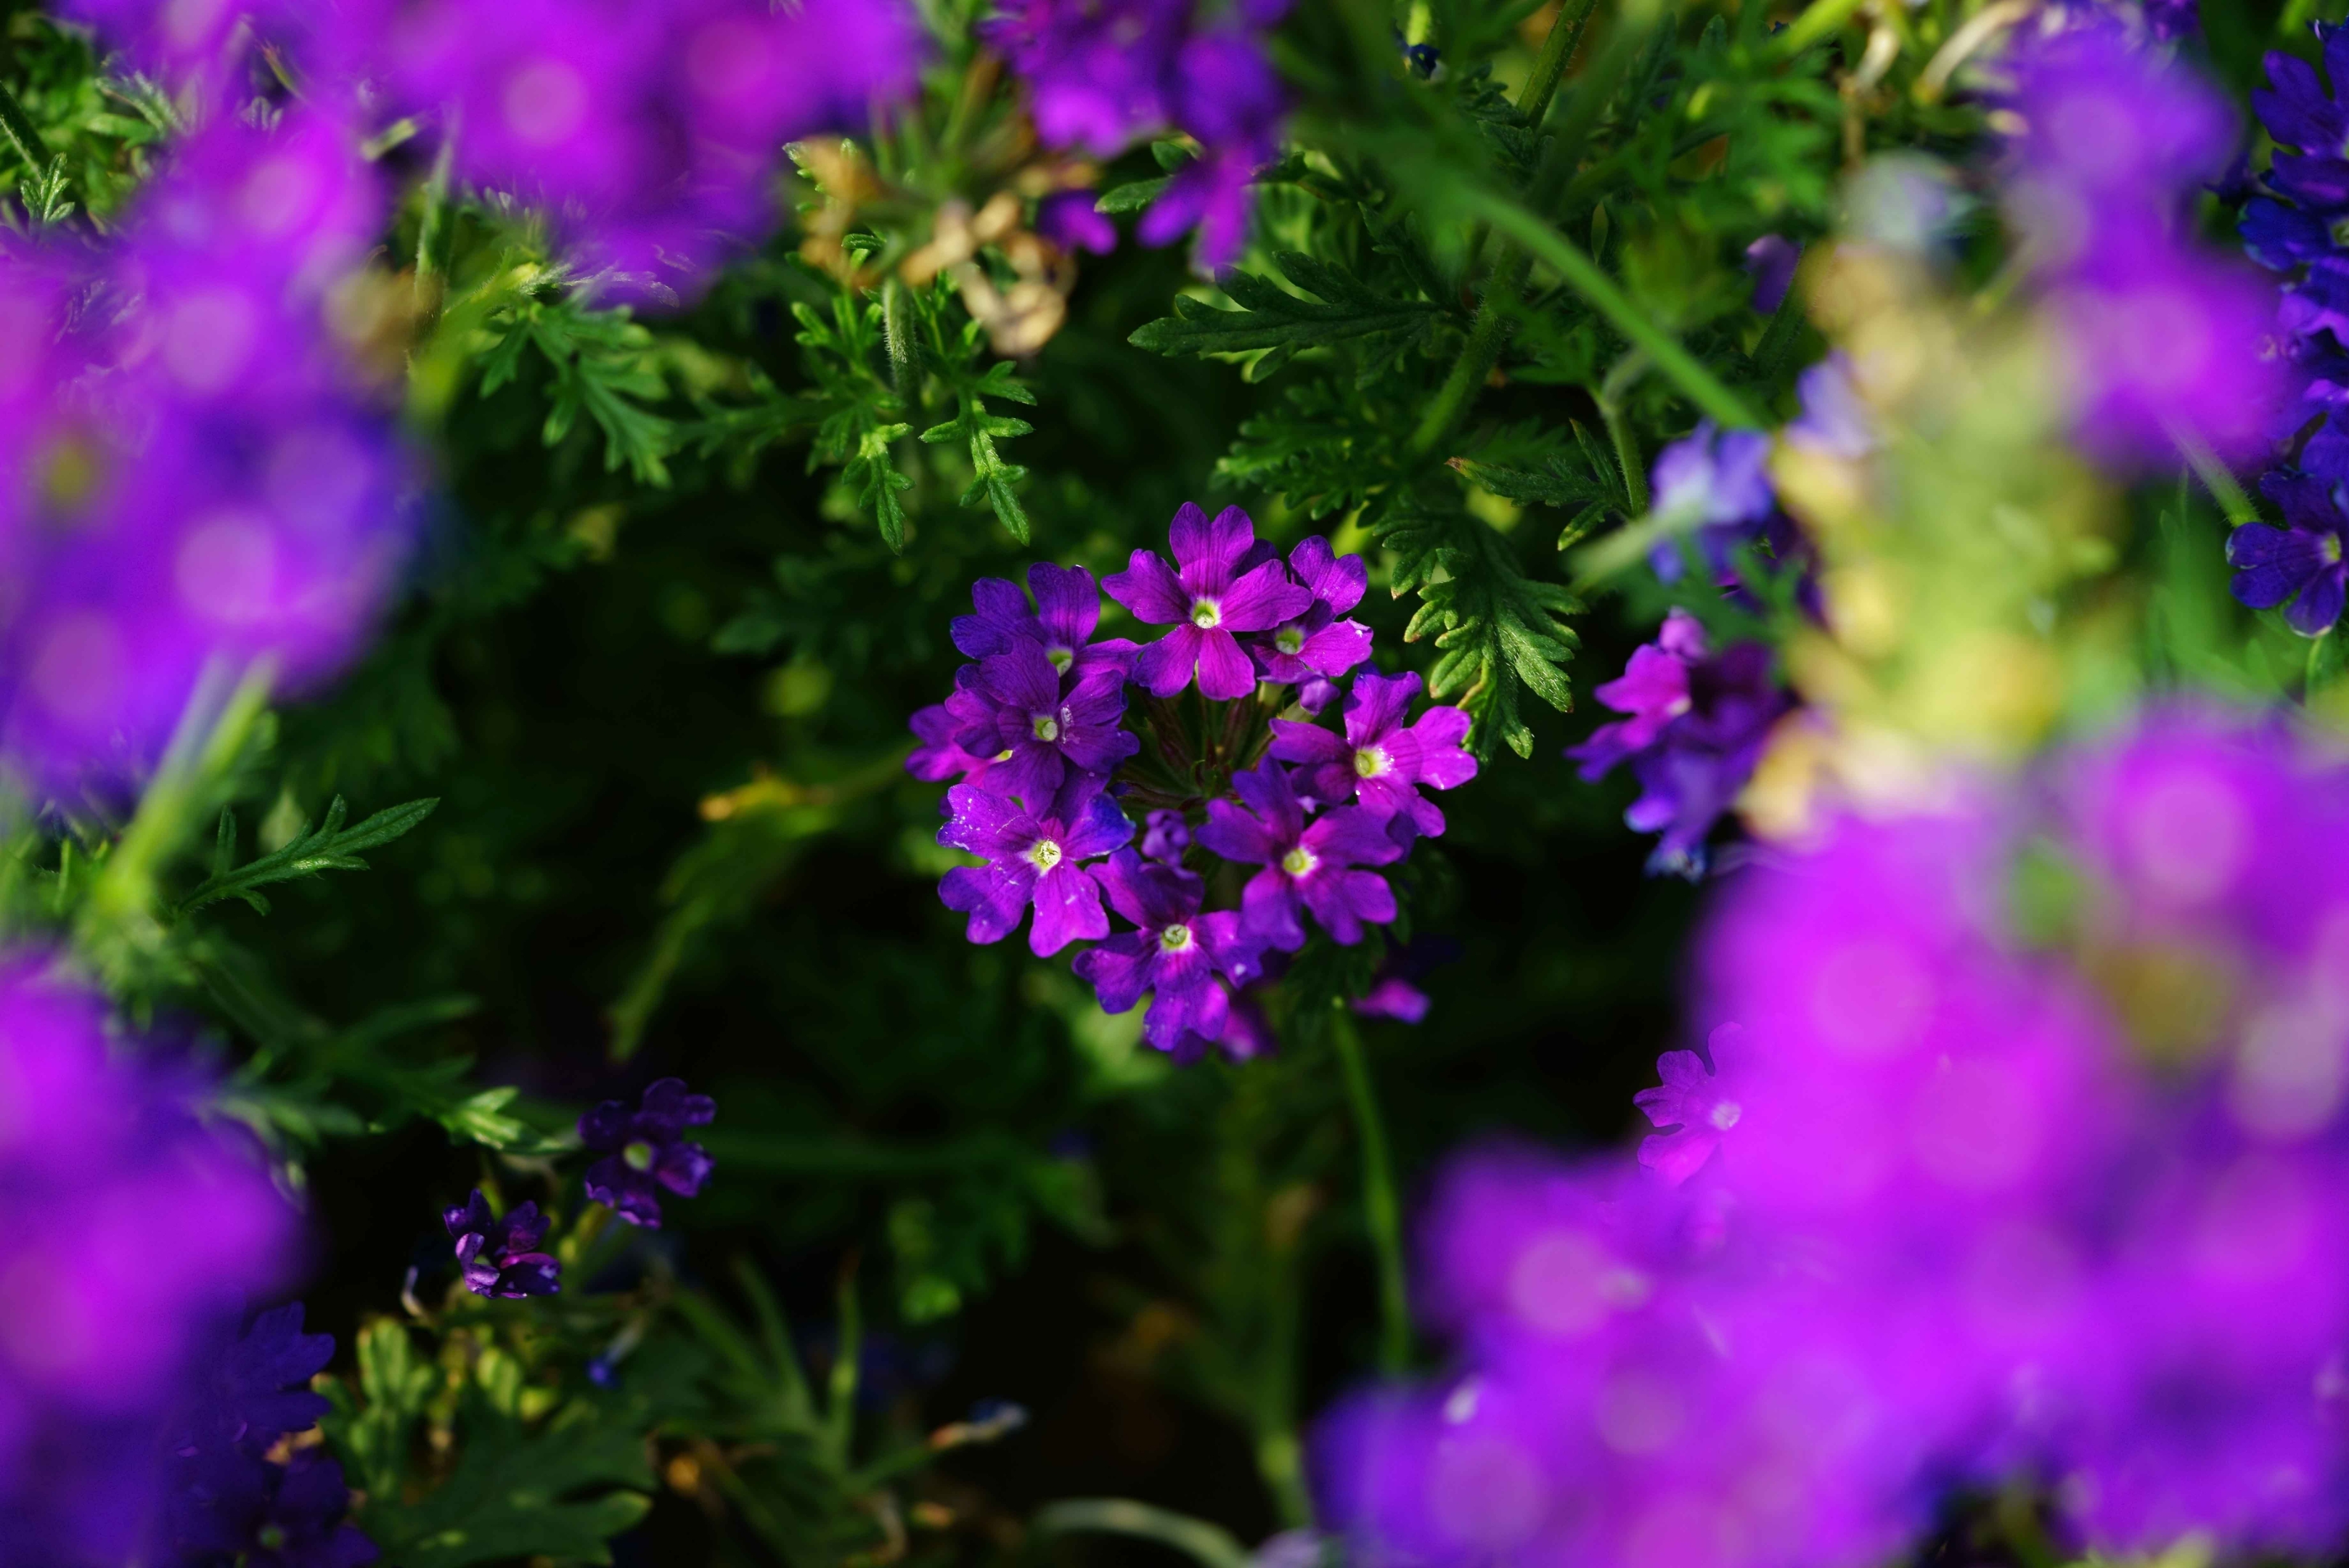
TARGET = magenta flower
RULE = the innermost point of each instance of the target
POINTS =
(1381, 762)
(650, 135)
(1068, 607)
(1692, 1110)
(1047, 725)
(1318, 644)
(1307, 865)
(938, 758)
(501, 1257)
(1181, 957)
(1032, 857)
(1222, 586)
(645, 1151)
(2301, 561)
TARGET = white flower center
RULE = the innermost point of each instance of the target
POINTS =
(1370, 762)
(1300, 861)
(1174, 939)
(1043, 855)
(1724, 1115)
(1047, 728)
(1290, 639)
(1061, 658)
(1207, 614)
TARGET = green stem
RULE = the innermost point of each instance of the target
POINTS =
(1197, 1539)
(1619, 380)
(839, 1395)
(2215, 478)
(1823, 17)
(429, 225)
(1490, 331)
(1549, 66)
(1587, 278)
(1381, 1210)
(210, 737)
(21, 133)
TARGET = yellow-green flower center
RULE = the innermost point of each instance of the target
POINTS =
(1043, 855)
(1207, 614)
(2332, 548)
(1370, 762)
(1174, 939)
(638, 1155)
(1300, 861)
(1290, 639)
(1061, 658)
(1046, 727)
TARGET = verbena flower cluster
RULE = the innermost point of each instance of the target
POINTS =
(2162, 338)
(196, 477)
(2291, 228)
(1103, 75)
(134, 1237)
(649, 133)
(1056, 740)
(2019, 1153)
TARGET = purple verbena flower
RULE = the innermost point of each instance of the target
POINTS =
(1072, 220)
(645, 1151)
(1772, 261)
(1183, 958)
(1692, 737)
(1317, 643)
(1307, 865)
(1219, 588)
(239, 1507)
(1068, 607)
(1032, 857)
(260, 1389)
(501, 1257)
(2301, 561)
(1714, 485)
(1165, 837)
(1692, 1108)
(938, 758)
(1047, 723)
(1381, 762)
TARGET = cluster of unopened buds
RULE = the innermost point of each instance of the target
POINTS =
(1246, 798)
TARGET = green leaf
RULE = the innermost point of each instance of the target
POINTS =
(1496, 629)
(993, 479)
(1270, 318)
(331, 847)
(560, 1493)
(372, 1436)
(1132, 196)
(1586, 492)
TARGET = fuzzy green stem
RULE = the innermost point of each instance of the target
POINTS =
(1620, 380)
(1549, 66)
(21, 133)
(839, 1395)
(430, 224)
(211, 734)
(1381, 1210)
(2215, 478)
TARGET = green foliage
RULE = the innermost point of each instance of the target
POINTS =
(602, 363)
(330, 846)
(1281, 323)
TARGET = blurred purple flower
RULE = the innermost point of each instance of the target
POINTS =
(2302, 562)
(1697, 725)
(1166, 835)
(134, 1235)
(938, 758)
(645, 1151)
(1381, 762)
(1308, 866)
(1224, 582)
(1772, 260)
(1181, 957)
(1033, 857)
(1317, 643)
(1071, 220)
(501, 1257)
(649, 134)
(238, 1507)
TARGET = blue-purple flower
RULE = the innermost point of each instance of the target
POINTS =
(1307, 865)
(1697, 722)
(1318, 645)
(1068, 607)
(1032, 857)
(1381, 762)
(645, 1151)
(2301, 561)
(1181, 957)
(940, 757)
(500, 1257)
(1047, 722)
(1224, 584)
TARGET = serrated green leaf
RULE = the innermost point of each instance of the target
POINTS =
(1271, 318)
(561, 1493)
(330, 848)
